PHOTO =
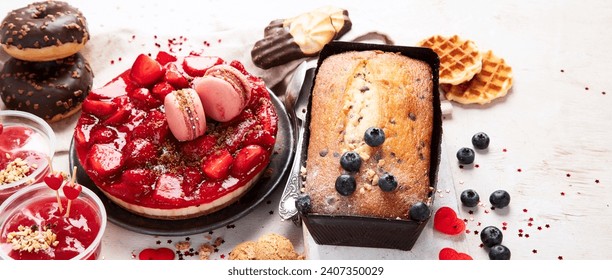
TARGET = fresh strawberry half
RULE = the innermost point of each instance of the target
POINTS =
(196, 66)
(139, 152)
(260, 137)
(139, 177)
(103, 135)
(120, 115)
(199, 147)
(164, 58)
(143, 98)
(97, 108)
(267, 115)
(161, 89)
(174, 76)
(104, 161)
(192, 177)
(217, 166)
(154, 127)
(249, 159)
(146, 71)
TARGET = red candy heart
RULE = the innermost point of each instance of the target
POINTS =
(446, 221)
(156, 254)
(451, 254)
(54, 181)
(72, 191)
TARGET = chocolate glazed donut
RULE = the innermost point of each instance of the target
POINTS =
(44, 31)
(52, 90)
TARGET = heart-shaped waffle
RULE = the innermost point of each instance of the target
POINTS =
(460, 59)
(493, 81)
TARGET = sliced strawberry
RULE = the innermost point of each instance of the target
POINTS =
(154, 127)
(192, 177)
(217, 166)
(103, 135)
(120, 116)
(83, 128)
(267, 115)
(97, 108)
(196, 66)
(143, 98)
(234, 138)
(199, 147)
(114, 88)
(164, 58)
(161, 89)
(168, 189)
(104, 161)
(139, 177)
(146, 71)
(139, 151)
(249, 159)
(260, 137)
(174, 76)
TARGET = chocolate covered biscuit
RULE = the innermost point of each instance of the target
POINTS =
(302, 36)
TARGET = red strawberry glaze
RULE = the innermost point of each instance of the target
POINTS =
(74, 233)
(173, 164)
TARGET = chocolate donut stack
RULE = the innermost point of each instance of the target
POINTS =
(46, 75)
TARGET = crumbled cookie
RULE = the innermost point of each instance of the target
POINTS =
(205, 251)
(243, 251)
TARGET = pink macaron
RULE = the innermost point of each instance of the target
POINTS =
(220, 99)
(185, 114)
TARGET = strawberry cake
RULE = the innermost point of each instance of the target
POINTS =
(177, 137)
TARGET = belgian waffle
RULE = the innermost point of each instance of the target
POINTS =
(493, 81)
(460, 59)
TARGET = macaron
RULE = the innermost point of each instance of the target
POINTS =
(220, 99)
(233, 76)
(185, 114)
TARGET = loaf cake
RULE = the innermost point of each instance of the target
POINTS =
(373, 141)
(354, 91)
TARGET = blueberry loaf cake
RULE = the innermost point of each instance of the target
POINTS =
(371, 123)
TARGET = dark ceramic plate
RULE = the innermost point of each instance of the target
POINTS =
(280, 162)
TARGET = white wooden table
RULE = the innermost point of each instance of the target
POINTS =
(550, 137)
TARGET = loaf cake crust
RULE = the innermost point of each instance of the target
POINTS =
(354, 91)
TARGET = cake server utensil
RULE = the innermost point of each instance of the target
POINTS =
(296, 102)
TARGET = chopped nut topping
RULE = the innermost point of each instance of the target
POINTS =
(31, 239)
(375, 180)
(14, 171)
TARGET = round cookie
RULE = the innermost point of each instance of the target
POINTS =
(243, 251)
(275, 247)
(52, 90)
(44, 31)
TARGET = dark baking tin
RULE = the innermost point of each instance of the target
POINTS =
(366, 231)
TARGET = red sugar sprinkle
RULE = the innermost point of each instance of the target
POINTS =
(519, 170)
(133, 36)
(461, 166)
(520, 230)
(465, 220)
(481, 245)
(525, 210)
(547, 225)
(529, 224)
(586, 88)
(475, 232)
(539, 228)
(603, 92)
(527, 235)
(467, 231)
(486, 211)
(531, 219)
(568, 175)
(504, 223)
(596, 181)
(504, 228)
(219, 41)
(562, 193)
(476, 165)
(534, 251)
(154, 36)
(560, 257)
(520, 235)
(504, 150)
(562, 70)
(479, 224)
(222, 256)
(112, 61)
(471, 212)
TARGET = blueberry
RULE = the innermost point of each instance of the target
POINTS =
(465, 155)
(345, 185)
(303, 203)
(387, 182)
(419, 212)
(374, 136)
(470, 198)
(350, 161)
(481, 140)
(499, 252)
(499, 199)
(491, 236)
